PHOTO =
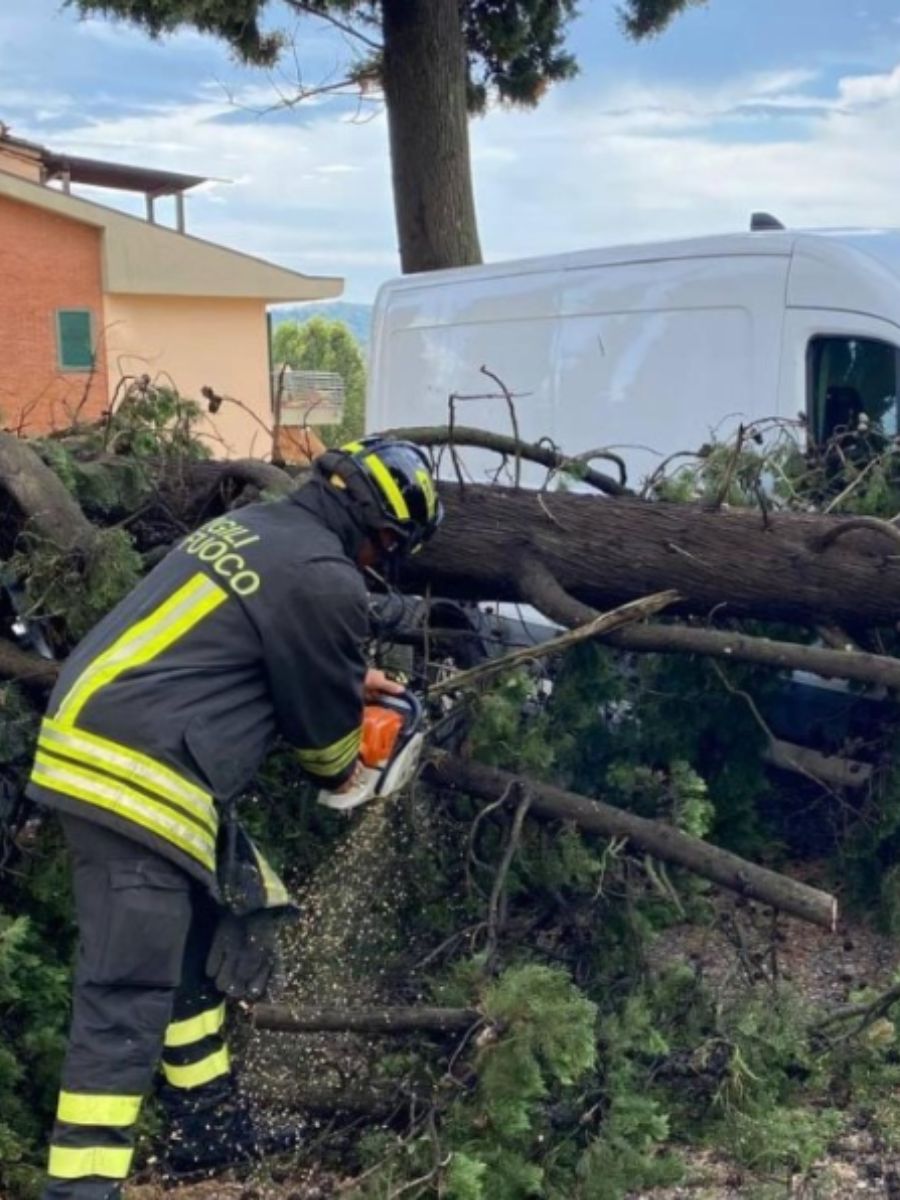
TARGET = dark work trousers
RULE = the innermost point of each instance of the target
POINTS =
(141, 1000)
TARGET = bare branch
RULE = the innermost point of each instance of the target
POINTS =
(543, 455)
(311, 10)
(497, 905)
(28, 669)
(600, 624)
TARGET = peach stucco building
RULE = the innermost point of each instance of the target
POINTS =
(90, 295)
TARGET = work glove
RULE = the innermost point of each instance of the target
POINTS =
(243, 954)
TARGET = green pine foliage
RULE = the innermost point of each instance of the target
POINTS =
(36, 940)
(595, 1061)
(73, 589)
(69, 591)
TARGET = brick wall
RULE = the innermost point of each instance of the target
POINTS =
(47, 263)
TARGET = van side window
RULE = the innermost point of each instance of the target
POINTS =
(850, 377)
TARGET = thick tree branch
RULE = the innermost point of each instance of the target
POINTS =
(501, 443)
(874, 669)
(540, 589)
(654, 837)
(830, 769)
(43, 499)
(28, 669)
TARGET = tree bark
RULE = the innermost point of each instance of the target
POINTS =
(284, 1019)
(425, 86)
(41, 496)
(540, 589)
(28, 669)
(662, 841)
(831, 769)
(604, 552)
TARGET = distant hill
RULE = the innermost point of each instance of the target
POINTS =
(357, 316)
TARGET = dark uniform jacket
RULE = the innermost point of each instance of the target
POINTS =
(254, 626)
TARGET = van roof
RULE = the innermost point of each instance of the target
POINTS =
(837, 245)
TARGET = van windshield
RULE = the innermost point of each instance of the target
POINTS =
(849, 378)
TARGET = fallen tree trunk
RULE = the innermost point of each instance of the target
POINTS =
(284, 1019)
(662, 841)
(801, 568)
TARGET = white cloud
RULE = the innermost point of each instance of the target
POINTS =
(646, 162)
(861, 90)
(629, 161)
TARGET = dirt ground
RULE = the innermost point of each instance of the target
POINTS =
(826, 968)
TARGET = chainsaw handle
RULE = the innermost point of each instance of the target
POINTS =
(407, 703)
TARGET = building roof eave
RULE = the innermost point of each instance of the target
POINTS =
(96, 173)
(140, 258)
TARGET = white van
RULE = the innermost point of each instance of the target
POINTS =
(649, 348)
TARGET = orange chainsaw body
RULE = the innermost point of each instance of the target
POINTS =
(380, 729)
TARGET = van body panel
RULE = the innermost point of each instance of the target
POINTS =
(647, 349)
(859, 274)
(596, 354)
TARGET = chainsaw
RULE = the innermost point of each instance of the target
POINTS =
(393, 732)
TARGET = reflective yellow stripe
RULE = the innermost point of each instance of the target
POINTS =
(143, 642)
(194, 1029)
(276, 892)
(90, 1108)
(335, 749)
(352, 447)
(386, 482)
(427, 486)
(118, 798)
(105, 1161)
(333, 759)
(198, 1073)
(93, 751)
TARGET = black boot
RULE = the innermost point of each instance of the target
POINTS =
(212, 1129)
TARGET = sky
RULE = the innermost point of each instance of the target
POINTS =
(792, 106)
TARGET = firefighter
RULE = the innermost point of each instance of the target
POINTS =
(252, 628)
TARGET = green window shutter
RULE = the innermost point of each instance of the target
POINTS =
(73, 338)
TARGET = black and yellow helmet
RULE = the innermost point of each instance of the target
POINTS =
(391, 484)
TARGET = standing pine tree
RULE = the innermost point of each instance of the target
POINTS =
(436, 62)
